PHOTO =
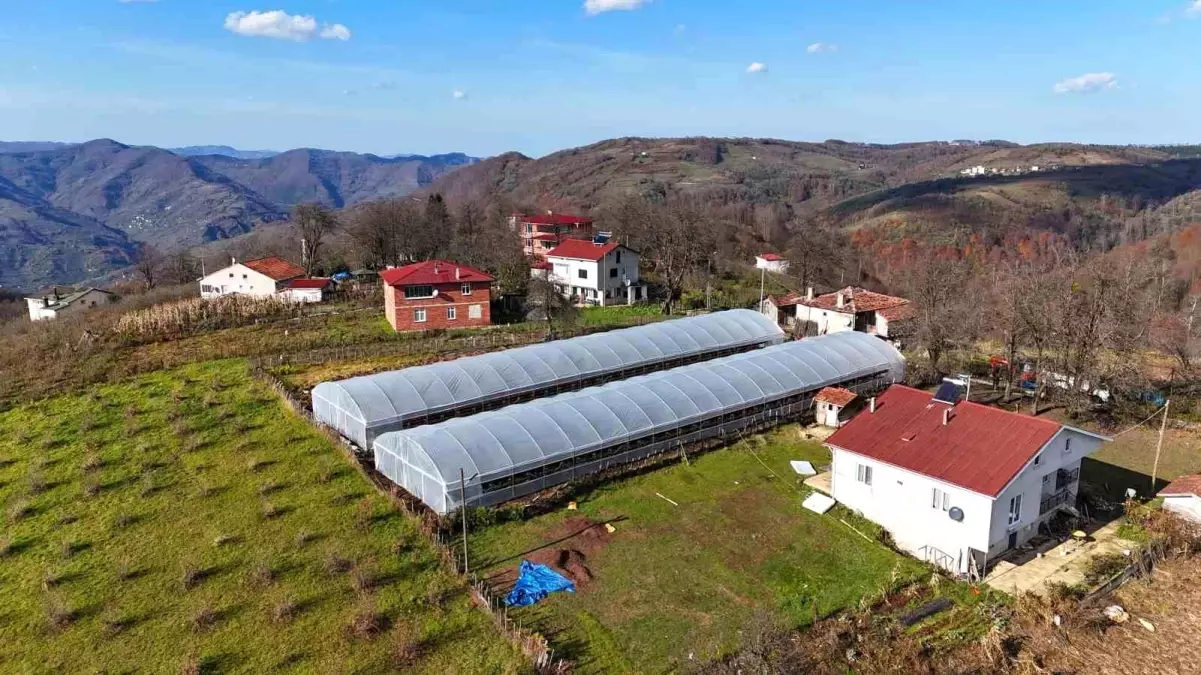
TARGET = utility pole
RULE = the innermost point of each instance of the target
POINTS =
(463, 515)
(709, 284)
(1159, 446)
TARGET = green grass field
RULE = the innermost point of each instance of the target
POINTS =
(187, 519)
(674, 581)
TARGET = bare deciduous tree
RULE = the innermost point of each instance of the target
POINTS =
(312, 223)
(149, 266)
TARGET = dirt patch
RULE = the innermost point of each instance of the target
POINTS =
(567, 549)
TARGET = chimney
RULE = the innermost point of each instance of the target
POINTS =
(458, 273)
(233, 260)
(437, 267)
(871, 404)
(946, 416)
(809, 293)
(842, 300)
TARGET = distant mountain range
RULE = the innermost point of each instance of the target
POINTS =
(70, 212)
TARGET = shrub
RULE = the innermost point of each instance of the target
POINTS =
(59, 613)
(271, 511)
(262, 573)
(191, 577)
(204, 618)
(367, 623)
(337, 564)
(37, 483)
(124, 520)
(406, 647)
(303, 537)
(224, 540)
(91, 487)
(286, 610)
(92, 463)
(20, 510)
(1103, 567)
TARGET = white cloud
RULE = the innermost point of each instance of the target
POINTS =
(336, 32)
(459, 95)
(594, 7)
(1087, 83)
(280, 25)
(757, 67)
(820, 48)
(1194, 8)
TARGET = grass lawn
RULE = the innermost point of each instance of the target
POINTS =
(186, 518)
(675, 581)
(619, 315)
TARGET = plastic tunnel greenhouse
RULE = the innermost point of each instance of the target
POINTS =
(361, 408)
(522, 449)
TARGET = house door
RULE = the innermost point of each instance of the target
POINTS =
(1013, 540)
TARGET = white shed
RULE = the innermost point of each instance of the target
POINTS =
(1183, 496)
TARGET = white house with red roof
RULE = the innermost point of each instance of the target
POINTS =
(772, 262)
(594, 273)
(544, 231)
(437, 294)
(956, 484)
(1183, 497)
(262, 277)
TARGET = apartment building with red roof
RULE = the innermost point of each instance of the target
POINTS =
(437, 294)
(956, 483)
(540, 233)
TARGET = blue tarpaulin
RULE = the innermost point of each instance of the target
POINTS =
(535, 583)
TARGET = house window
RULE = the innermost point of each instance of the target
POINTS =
(419, 316)
(940, 499)
(619, 257)
(451, 313)
(1038, 459)
(418, 292)
(231, 275)
(466, 289)
(1067, 444)
(864, 474)
(475, 312)
(529, 227)
(245, 276)
(583, 274)
(613, 273)
(1015, 509)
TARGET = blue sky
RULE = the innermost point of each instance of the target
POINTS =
(487, 76)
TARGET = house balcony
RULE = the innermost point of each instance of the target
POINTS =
(1065, 478)
(1052, 502)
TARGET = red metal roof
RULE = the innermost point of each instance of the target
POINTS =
(981, 448)
(581, 249)
(836, 395)
(276, 268)
(554, 219)
(545, 237)
(433, 272)
(541, 265)
(771, 257)
(308, 283)
(1183, 486)
(855, 300)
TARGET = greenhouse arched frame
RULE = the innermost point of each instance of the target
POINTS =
(523, 449)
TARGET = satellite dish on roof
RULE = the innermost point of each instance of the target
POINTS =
(956, 514)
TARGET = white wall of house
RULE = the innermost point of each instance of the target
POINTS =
(92, 299)
(302, 295)
(602, 282)
(902, 502)
(237, 279)
(1037, 481)
(1187, 506)
(827, 414)
(827, 321)
(771, 265)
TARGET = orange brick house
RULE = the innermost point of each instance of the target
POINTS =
(437, 294)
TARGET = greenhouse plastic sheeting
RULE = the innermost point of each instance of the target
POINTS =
(361, 408)
(555, 435)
